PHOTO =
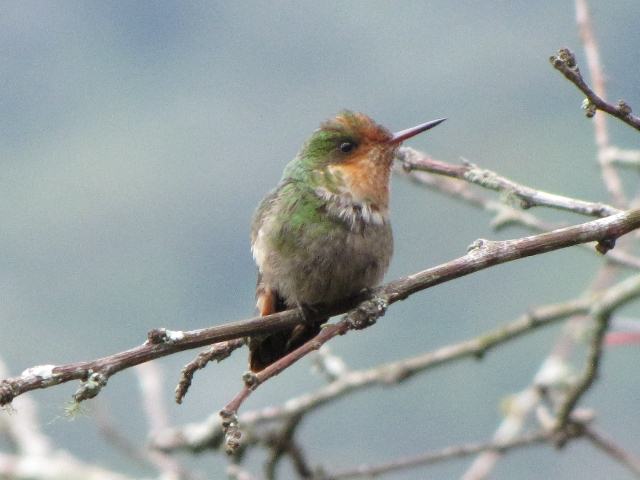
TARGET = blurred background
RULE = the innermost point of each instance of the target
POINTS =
(136, 139)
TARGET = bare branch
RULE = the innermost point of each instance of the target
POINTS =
(116, 439)
(554, 390)
(329, 365)
(216, 352)
(448, 453)
(482, 254)
(235, 472)
(168, 467)
(504, 214)
(58, 466)
(366, 315)
(526, 196)
(195, 437)
(551, 381)
(24, 430)
(610, 176)
(623, 292)
(282, 443)
(622, 157)
(151, 383)
(508, 430)
(611, 448)
(362, 316)
(565, 62)
(460, 190)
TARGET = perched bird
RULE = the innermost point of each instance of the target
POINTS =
(324, 234)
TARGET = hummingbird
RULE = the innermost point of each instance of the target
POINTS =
(323, 234)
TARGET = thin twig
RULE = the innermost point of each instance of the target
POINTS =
(235, 472)
(611, 448)
(504, 214)
(329, 365)
(117, 440)
(551, 380)
(361, 317)
(448, 453)
(59, 466)
(151, 382)
(510, 428)
(35, 455)
(500, 447)
(459, 189)
(23, 429)
(622, 157)
(565, 62)
(477, 253)
(195, 437)
(526, 196)
(625, 291)
(216, 352)
(282, 443)
(610, 176)
(482, 254)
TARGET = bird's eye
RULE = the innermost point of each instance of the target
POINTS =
(347, 147)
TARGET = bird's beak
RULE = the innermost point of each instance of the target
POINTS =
(402, 135)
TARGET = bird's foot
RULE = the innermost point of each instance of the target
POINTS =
(368, 312)
(310, 313)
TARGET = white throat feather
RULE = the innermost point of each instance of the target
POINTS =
(354, 212)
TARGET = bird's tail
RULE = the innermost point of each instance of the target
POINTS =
(265, 350)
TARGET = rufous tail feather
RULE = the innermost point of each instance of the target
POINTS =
(263, 351)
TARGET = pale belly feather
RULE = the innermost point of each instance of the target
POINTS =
(327, 269)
